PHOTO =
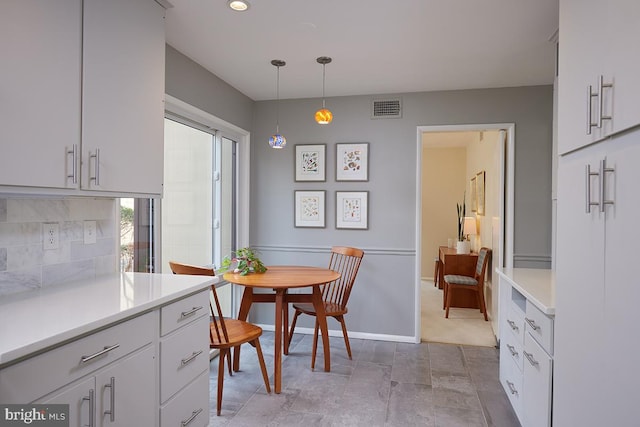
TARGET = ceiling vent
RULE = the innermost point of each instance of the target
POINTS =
(386, 109)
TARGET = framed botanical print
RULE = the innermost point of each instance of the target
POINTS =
(310, 162)
(309, 208)
(473, 195)
(352, 162)
(352, 209)
(480, 191)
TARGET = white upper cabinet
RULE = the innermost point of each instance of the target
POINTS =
(40, 47)
(598, 71)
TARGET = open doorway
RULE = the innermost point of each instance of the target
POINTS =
(470, 150)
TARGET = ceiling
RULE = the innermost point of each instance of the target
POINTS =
(377, 46)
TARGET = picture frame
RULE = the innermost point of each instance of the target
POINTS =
(310, 162)
(473, 195)
(352, 161)
(480, 191)
(309, 210)
(352, 208)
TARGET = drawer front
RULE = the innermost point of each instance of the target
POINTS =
(515, 322)
(512, 350)
(511, 380)
(183, 355)
(190, 407)
(183, 312)
(537, 382)
(540, 326)
(35, 377)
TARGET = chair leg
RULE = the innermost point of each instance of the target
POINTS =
(223, 353)
(448, 302)
(293, 324)
(229, 360)
(315, 344)
(344, 334)
(263, 367)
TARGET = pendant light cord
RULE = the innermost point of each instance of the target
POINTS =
(278, 100)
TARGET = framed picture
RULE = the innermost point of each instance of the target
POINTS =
(309, 208)
(352, 162)
(310, 162)
(480, 191)
(352, 209)
(473, 195)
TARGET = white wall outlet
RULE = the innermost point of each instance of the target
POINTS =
(50, 235)
(89, 232)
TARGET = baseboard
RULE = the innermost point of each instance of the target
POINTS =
(359, 335)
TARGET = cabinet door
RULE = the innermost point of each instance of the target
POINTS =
(127, 391)
(536, 384)
(80, 396)
(622, 290)
(580, 294)
(123, 95)
(40, 47)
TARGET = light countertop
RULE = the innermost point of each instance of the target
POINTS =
(537, 285)
(36, 320)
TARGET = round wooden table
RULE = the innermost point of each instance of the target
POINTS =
(281, 278)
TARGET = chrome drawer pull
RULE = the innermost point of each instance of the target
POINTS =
(590, 95)
(190, 358)
(512, 349)
(190, 312)
(603, 170)
(194, 414)
(530, 358)
(512, 324)
(107, 349)
(512, 389)
(601, 86)
(588, 174)
(532, 323)
(92, 405)
(112, 388)
(74, 166)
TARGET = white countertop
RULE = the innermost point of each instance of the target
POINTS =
(537, 285)
(35, 320)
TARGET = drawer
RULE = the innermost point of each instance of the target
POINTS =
(39, 375)
(512, 380)
(190, 406)
(512, 350)
(538, 368)
(540, 326)
(183, 312)
(183, 355)
(514, 322)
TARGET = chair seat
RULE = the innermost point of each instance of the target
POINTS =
(455, 279)
(239, 332)
(330, 309)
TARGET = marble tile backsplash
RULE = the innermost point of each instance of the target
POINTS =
(25, 264)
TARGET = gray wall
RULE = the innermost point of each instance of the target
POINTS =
(383, 300)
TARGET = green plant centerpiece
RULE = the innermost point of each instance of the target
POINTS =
(244, 261)
(462, 210)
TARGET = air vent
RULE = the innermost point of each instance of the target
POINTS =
(386, 109)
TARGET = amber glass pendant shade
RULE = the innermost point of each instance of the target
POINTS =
(324, 116)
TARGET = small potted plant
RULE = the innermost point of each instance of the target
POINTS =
(462, 246)
(244, 262)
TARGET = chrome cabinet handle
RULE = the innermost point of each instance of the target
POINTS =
(107, 349)
(91, 399)
(194, 414)
(112, 394)
(530, 358)
(601, 86)
(74, 165)
(512, 324)
(603, 170)
(532, 323)
(590, 95)
(96, 177)
(512, 350)
(588, 174)
(512, 388)
(190, 312)
(190, 358)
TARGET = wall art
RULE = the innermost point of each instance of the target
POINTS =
(352, 162)
(310, 162)
(352, 209)
(309, 208)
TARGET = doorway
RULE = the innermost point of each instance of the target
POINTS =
(495, 225)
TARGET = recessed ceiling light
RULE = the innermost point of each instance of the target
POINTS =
(238, 5)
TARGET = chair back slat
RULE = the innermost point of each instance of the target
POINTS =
(346, 261)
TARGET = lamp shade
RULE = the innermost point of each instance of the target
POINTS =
(324, 116)
(277, 141)
(469, 225)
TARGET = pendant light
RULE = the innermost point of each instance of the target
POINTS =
(277, 140)
(323, 115)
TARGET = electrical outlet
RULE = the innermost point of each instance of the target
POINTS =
(89, 232)
(50, 235)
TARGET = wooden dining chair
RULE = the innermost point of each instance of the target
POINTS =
(224, 334)
(452, 282)
(346, 261)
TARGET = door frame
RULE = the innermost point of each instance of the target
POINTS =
(506, 182)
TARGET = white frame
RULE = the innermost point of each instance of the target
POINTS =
(343, 173)
(362, 198)
(299, 220)
(305, 149)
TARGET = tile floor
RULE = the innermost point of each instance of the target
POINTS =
(386, 384)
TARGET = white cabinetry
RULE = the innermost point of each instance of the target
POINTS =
(597, 292)
(596, 40)
(82, 88)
